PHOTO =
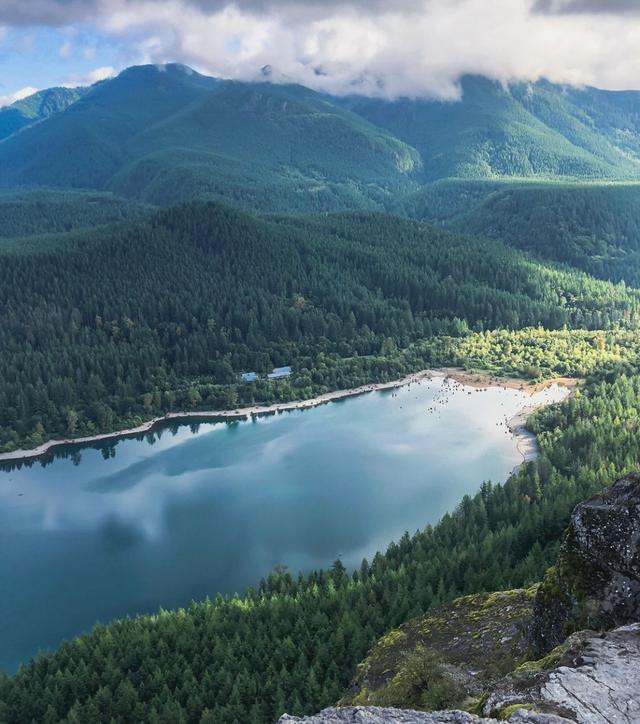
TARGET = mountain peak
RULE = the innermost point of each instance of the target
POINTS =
(38, 106)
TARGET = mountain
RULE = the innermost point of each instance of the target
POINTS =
(522, 129)
(36, 107)
(163, 134)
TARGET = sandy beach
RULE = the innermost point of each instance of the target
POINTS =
(478, 380)
(526, 442)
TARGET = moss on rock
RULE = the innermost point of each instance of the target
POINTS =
(447, 657)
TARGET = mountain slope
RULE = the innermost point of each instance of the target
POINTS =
(36, 107)
(532, 129)
(27, 213)
(163, 134)
(164, 312)
(168, 133)
(84, 146)
(595, 227)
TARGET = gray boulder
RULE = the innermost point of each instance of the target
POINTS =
(382, 715)
(596, 581)
(591, 678)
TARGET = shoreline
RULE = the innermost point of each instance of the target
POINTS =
(526, 441)
(463, 377)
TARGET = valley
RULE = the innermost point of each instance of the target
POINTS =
(169, 508)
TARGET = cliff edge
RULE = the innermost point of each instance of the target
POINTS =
(567, 650)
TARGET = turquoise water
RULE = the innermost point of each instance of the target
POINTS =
(193, 510)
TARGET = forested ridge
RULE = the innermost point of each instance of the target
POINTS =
(118, 325)
(165, 134)
(25, 214)
(595, 227)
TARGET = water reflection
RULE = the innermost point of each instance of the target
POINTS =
(187, 511)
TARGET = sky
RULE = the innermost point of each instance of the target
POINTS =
(416, 48)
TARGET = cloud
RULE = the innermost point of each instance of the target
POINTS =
(47, 12)
(596, 7)
(405, 47)
(25, 92)
(90, 78)
(62, 12)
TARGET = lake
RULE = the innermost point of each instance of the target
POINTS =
(127, 526)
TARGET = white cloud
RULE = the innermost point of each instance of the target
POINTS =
(410, 47)
(90, 78)
(25, 92)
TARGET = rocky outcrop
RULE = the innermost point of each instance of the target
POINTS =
(379, 715)
(584, 620)
(596, 581)
(448, 656)
(591, 678)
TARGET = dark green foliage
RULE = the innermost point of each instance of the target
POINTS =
(167, 134)
(592, 227)
(49, 211)
(445, 200)
(122, 324)
(422, 683)
(293, 643)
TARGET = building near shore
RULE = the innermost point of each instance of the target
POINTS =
(279, 373)
(249, 376)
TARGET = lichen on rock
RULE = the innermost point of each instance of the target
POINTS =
(595, 583)
(591, 677)
(447, 657)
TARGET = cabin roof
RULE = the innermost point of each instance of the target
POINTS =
(279, 372)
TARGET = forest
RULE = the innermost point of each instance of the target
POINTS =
(89, 345)
(594, 227)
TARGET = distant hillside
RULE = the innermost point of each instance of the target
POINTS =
(163, 312)
(36, 107)
(525, 129)
(167, 134)
(25, 213)
(595, 227)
